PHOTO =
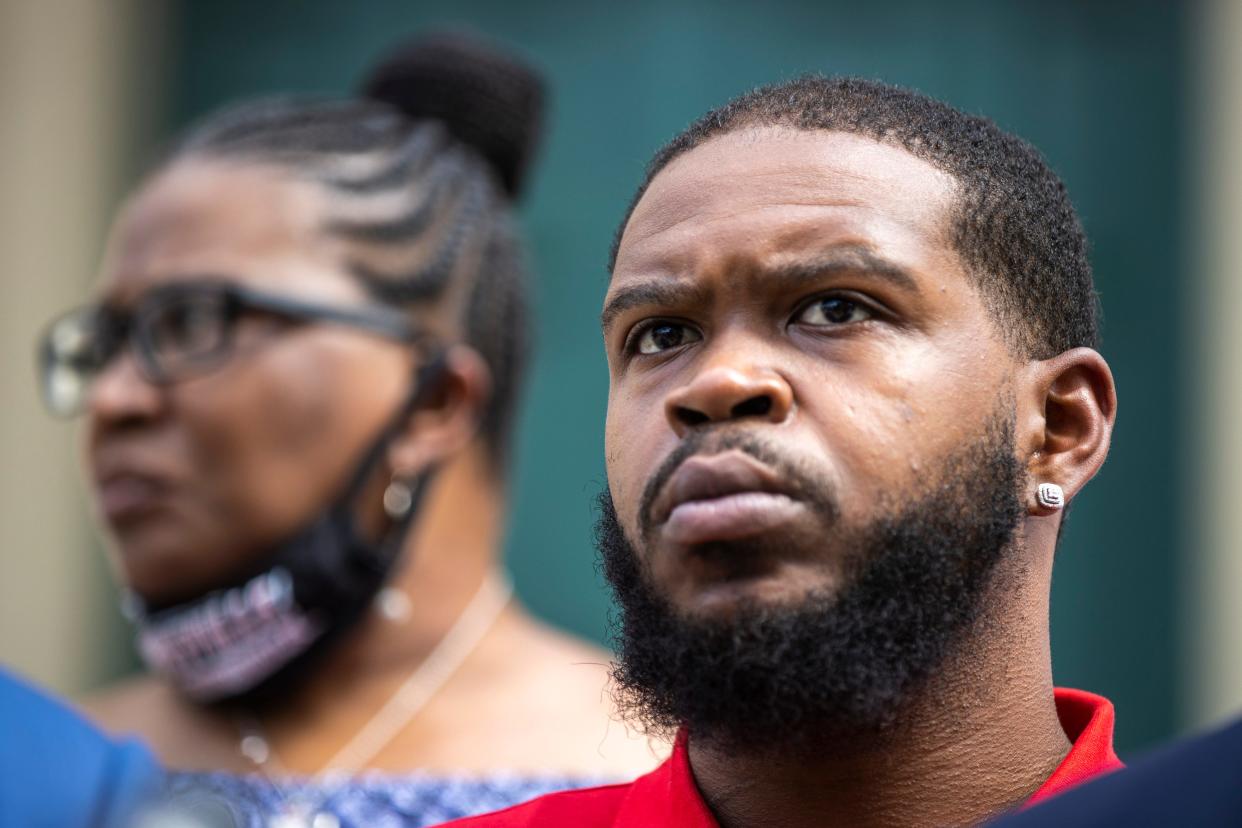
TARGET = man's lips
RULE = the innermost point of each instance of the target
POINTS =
(720, 497)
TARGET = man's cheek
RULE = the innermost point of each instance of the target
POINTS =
(628, 496)
(624, 467)
(890, 445)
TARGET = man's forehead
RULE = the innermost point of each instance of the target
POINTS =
(750, 187)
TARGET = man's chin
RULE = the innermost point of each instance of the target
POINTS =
(699, 596)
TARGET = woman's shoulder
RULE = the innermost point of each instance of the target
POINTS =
(128, 704)
(181, 734)
(556, 708)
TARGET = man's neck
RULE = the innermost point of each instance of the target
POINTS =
(983, 737)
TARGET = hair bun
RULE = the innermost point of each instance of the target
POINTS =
(486, 96)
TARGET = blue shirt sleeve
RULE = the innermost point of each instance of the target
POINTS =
(58, 770)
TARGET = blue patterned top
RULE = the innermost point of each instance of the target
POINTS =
(371, 800)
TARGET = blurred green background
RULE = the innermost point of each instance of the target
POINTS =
(1137, 104)
(1098, 87)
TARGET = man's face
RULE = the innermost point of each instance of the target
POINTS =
(795, 352)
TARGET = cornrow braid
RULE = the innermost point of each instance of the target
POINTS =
(419, 209)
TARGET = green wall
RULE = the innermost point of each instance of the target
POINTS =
(1097, 86)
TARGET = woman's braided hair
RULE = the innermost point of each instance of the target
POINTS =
(422, 171)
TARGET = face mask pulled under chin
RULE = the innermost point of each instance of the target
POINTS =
(254, 639)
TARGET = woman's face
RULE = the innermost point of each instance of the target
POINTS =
(195, 479)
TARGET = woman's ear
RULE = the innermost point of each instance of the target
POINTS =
(448, 417)
(1067, 425)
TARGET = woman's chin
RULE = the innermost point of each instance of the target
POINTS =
(161, 575)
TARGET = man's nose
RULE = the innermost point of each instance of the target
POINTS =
(729, 390)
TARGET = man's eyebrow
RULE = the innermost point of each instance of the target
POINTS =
(841, 260)
(844, 260)
(651, 292)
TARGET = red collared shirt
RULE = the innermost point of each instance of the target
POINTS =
(668, 796)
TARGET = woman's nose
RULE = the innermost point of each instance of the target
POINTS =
(120, 392)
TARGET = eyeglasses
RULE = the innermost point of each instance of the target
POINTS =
(176, 332)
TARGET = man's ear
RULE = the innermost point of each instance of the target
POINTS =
(449, 416)
(1068, 422)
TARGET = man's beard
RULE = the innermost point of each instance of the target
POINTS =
(830, 666)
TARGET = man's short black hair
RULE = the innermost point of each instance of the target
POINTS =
(1014, 227)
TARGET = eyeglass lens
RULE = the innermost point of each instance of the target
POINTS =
(172, 338)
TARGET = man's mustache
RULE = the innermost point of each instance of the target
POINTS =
(815, 490)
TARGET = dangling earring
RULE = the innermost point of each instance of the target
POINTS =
(398, 498)
(1050, 497)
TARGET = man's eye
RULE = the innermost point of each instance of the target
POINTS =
(664, 336)
(833, 310)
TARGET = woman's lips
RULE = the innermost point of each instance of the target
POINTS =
(729, 517)
(125, 498)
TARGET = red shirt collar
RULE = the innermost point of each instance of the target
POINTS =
(668, 795)
(1088, 721)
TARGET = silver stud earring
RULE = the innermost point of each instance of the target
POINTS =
(398, 498)
(1050, 497)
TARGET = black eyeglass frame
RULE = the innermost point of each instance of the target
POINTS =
(128, 327)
